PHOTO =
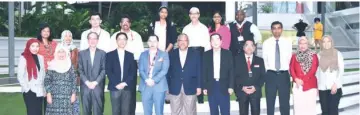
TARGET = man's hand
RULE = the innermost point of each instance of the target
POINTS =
(150, 82)
(198, 91)
(205, 92)
(121, 86)
(230, 90)
(252, 90)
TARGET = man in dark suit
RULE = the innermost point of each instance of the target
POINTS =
(249, 78)
(92, 75)
(120, 69)
(184, 78)
(218, 76)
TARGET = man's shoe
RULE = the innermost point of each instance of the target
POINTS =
(167, 101)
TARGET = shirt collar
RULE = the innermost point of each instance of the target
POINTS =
(246, 56)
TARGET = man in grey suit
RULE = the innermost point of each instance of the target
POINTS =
(92, 75)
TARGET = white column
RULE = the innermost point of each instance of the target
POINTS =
(230, 10)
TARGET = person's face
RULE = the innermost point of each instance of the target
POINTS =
(152, 42)
(45, 33)
(125, 24)
(216, 41)
(68, 38)
(240, 16)
(121, 41)
(249, 47)
(34, 48)
(183, 42)
(95, 21)
(163, 13)
(217, 18)
(303, 45)
(61, 54)
(327, 43)
(93, 40)
(276, 30)
(194, 16)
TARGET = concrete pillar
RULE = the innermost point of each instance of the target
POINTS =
(11, 40)
(230, 10)
(254, 15)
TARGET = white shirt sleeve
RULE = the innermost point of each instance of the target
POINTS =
(107, 41)
(257, 34)
(140, 46)
(265, 55)
(341, 70)
(84, 41)
(206, 40)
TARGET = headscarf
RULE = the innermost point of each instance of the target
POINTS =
(60, 66)
(305, 58)
(30, 61)
(70, 46)
(328, 57)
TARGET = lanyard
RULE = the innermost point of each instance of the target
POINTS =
(152, 63)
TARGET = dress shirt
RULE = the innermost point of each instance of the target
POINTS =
(217, 59)
(134, 43)
(103, 44)
(253, 29)
(160, 31)
(198, 35)
(121, 54)
(92, 56)
(251, 58)
(327, 79)
(269, 48)
(183, 55)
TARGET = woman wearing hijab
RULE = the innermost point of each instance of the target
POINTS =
(67, 42)
(60, 84)
(217, 26)
(303, 66)
(330, 73)
(31, 73)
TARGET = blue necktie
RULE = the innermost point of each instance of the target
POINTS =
(277, 56)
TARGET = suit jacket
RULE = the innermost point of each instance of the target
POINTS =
(308, 78)
(242, 74)
(113, 70)
(188, 76)
(160, 70)
(95, 72)
(226, 71)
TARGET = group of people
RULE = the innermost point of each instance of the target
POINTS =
(301, 27)
(216, 60)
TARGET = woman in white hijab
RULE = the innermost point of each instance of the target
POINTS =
(67, 42)
(60, 84)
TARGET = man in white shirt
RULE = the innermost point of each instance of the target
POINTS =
(92, 75)
(218, 77)
(277, 52)
(199, 37)
(134, 43)
(241, 31)
(121, 71)
(104, 36)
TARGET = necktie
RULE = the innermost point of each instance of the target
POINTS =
(277, 56)
(249, 64)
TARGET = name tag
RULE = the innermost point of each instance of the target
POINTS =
(257, 66)
(240, 38)
(250, 74)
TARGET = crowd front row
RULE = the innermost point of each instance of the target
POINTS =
(54, 72)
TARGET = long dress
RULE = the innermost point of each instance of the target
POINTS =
(61, 86)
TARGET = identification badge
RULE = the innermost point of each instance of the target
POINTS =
(256, 66)
(250, 74)
(240, 38)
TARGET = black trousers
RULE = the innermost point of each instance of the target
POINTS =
(277, 82)
(121, 102)
(245, 100)
(34, 105)
(329, 102)
(133, 94)
(201, 51)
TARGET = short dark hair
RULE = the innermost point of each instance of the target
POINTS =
(152, 35)
(125, 16)
(95, 14)
(215, 35)
(97, 35)
(316, 19)
(276, 23)
(43, 26)
(253, 43)
(121, 33)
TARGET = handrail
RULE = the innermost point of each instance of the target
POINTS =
(329, 7)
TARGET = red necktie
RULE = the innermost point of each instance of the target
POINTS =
(248, 64)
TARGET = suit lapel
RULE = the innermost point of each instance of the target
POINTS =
(222, 66)
(96, 58)
(88, 55)
(188, 55)
(252, 62)
(211, 61)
